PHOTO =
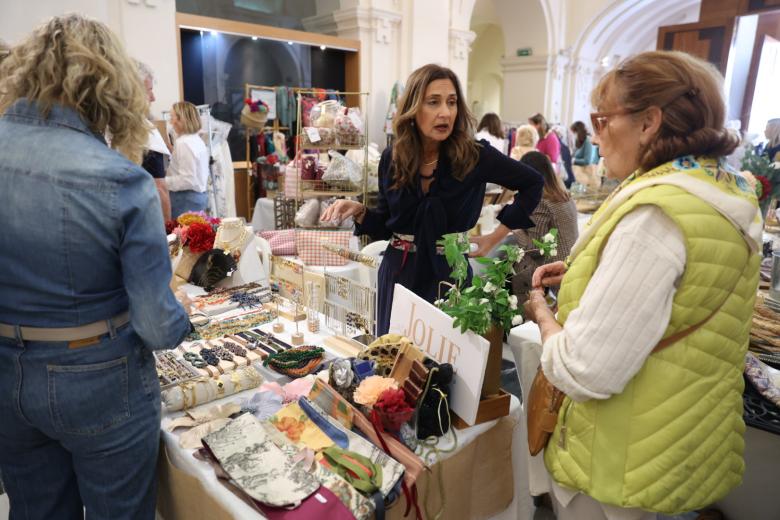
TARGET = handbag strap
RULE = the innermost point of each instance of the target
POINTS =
(674, 338)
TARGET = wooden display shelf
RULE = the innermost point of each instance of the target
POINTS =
(331, 193)
(333, 147)
(490, 408)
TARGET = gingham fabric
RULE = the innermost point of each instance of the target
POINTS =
(310, 250)
(282, 241)
(291, 178)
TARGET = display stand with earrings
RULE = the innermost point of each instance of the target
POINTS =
(297, 336)
(350, 310)
(278, 326)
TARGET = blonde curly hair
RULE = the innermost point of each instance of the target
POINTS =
(79, 63)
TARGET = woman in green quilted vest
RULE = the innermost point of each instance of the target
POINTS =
(655, 304)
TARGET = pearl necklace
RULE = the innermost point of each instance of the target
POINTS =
(230, 245)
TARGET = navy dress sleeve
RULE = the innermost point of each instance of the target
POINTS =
(511, 174)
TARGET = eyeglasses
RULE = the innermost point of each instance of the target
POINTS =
(599, 120)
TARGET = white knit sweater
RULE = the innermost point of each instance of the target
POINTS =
(624, 311)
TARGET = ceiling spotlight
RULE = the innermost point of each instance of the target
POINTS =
(322, 47)
(214, 33)
(254, 38)
(289, 43)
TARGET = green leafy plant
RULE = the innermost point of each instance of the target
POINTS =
(486, 301)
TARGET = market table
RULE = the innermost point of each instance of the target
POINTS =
(477, 476)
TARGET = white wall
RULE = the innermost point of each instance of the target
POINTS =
(147, 28)
(485, 78)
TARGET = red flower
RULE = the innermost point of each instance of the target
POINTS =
(200, 237)
(170, 226)
(392, 401)
(766, 187)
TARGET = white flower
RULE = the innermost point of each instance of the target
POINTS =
(483, 301)
(520, 254)
(553, 252)
(438, 303)
(513, 302)
(517, 320)
(549, 238)
(490, 288)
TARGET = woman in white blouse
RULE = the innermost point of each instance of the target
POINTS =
(188, 173)
(655, 304)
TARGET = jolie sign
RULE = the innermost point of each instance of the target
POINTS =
(431, 330)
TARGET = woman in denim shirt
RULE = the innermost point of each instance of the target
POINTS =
(84, 277)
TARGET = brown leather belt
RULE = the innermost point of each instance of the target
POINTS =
(83, 333)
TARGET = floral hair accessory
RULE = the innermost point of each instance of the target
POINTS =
(200, 237)
(256, 106)
(191, 217)
(371, 388)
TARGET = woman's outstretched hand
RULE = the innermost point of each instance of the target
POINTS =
(342, 210)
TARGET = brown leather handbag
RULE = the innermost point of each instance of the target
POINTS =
(544, 400)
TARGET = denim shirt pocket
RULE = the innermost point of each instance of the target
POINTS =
(89, 399)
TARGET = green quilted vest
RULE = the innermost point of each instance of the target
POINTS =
(672, 441)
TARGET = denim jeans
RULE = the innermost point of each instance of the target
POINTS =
(188, 200)
(79, 428)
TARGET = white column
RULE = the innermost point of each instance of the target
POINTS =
(460, 47)
(378, 31)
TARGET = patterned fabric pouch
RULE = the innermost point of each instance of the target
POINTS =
(392, 470)
(257, 466)
(334, 405)
(300, 430)
(282, 241)
(308, 243)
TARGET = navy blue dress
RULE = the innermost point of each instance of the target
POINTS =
(450, 206)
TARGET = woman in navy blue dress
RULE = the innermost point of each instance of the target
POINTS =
(432, 182)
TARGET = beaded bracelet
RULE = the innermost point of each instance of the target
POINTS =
(235, 349)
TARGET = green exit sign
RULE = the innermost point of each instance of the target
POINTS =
(525, 51)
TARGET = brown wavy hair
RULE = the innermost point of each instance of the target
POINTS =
(579, 128)
(554, 189)
(460, 147)
(538, 119)
(492, 123)
(689, 92)
(79, 63)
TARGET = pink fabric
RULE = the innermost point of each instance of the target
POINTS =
(310, 250)
(311, 507)
(550, 146)
(282, 241)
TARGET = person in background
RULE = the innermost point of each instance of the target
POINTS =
(526, 138)
(85, 276)
(548, 143)
(772, 133)
(563, 139)
(432, 182)
(188, 172)
(585, 156)
(156, 150)
(491, 130)
(655, 306)
(556, 210)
